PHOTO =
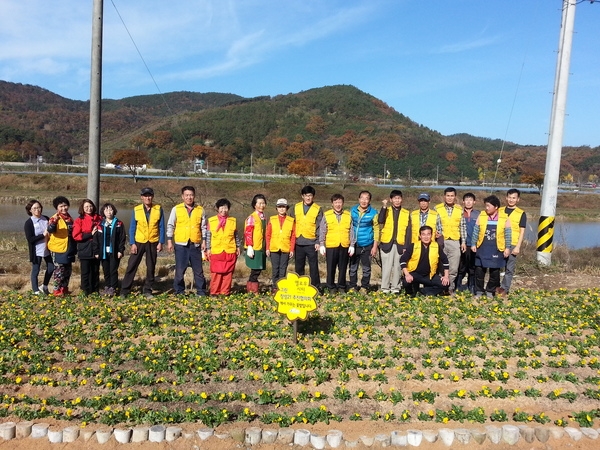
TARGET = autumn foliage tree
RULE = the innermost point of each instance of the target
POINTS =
(130, 160)
(302, 167)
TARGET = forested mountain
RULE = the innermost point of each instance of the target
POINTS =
(336, 129)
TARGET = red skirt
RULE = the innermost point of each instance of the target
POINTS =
(223, 262)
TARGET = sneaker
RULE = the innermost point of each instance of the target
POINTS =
(37, 292)
(45, 290)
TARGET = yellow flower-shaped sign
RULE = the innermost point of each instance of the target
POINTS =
(295, 296)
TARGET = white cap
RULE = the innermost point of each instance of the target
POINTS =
(281, 202)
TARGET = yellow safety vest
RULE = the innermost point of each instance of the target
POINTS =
(59, 240)
(281, 235)
(147, 230)
(306, 224)
(434, 257)
(482, 220)
(450, 225)
(188, 226)
(338, 231)
(222, 240)
(388, 227)
(415, 221)
(515, 220)
(258, 236)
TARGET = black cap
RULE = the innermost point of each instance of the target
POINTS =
(147, 191)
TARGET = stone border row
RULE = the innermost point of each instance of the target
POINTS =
(509, 434)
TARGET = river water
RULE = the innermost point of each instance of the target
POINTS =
(574, 235)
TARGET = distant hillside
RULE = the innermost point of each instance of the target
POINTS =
(336, 129)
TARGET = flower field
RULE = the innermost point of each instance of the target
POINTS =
(533, 357)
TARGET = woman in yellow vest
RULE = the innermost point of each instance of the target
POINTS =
(61, 243)
(255, 242)
(222, 248)
(491, 242)
(281, 239)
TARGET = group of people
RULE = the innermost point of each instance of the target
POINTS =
(428, 250)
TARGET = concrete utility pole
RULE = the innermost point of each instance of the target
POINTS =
(93, 186)
(555, 141)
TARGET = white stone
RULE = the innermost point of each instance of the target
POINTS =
(527, 433)
(589, 433)
(478, 436)
(542, 434)
(205, 433)
(39, 430)
(398, 439)
(317, 441)
(8, 430)
(253, 435)
(122, 435)
(334, 438)
(430, 436)
(55, 435)
(574, 433)
(446, 436)
(70, 434)
(557, 432)
(382, 440)
(157, 433)
(510, 434)
(301, 437)
(140, 434)
(24, 429)
(269, 436)
(367, 441)
(414, 437)
(286, 435)
(494, 434)
(87, 434)
(172, 433)
(462, 435)
(103, 435)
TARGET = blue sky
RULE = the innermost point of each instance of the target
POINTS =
(476, 66)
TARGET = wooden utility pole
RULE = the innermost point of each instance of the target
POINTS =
(555, 141)
(93, 186)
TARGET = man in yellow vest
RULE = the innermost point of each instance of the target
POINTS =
(337, 241)
(308, 217)
(394, 223)
(146, 237)
(420, 265)
(518, 223)
(454, 234)
(425, 216)
(186, 234)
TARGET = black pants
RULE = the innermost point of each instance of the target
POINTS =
(431, 286)
(308, 252)
(337, 259)
(493, 281)
(90, 275)
(148, 249)
(467, 267)
(362, 258)
(279, 264)
(35, 271)
(110, 267)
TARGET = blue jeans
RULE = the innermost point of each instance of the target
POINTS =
(188, 255)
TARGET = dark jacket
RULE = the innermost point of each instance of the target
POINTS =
(32, 239)
(82, 234)
(116, 242)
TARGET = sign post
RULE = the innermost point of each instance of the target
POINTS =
(295, 298)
